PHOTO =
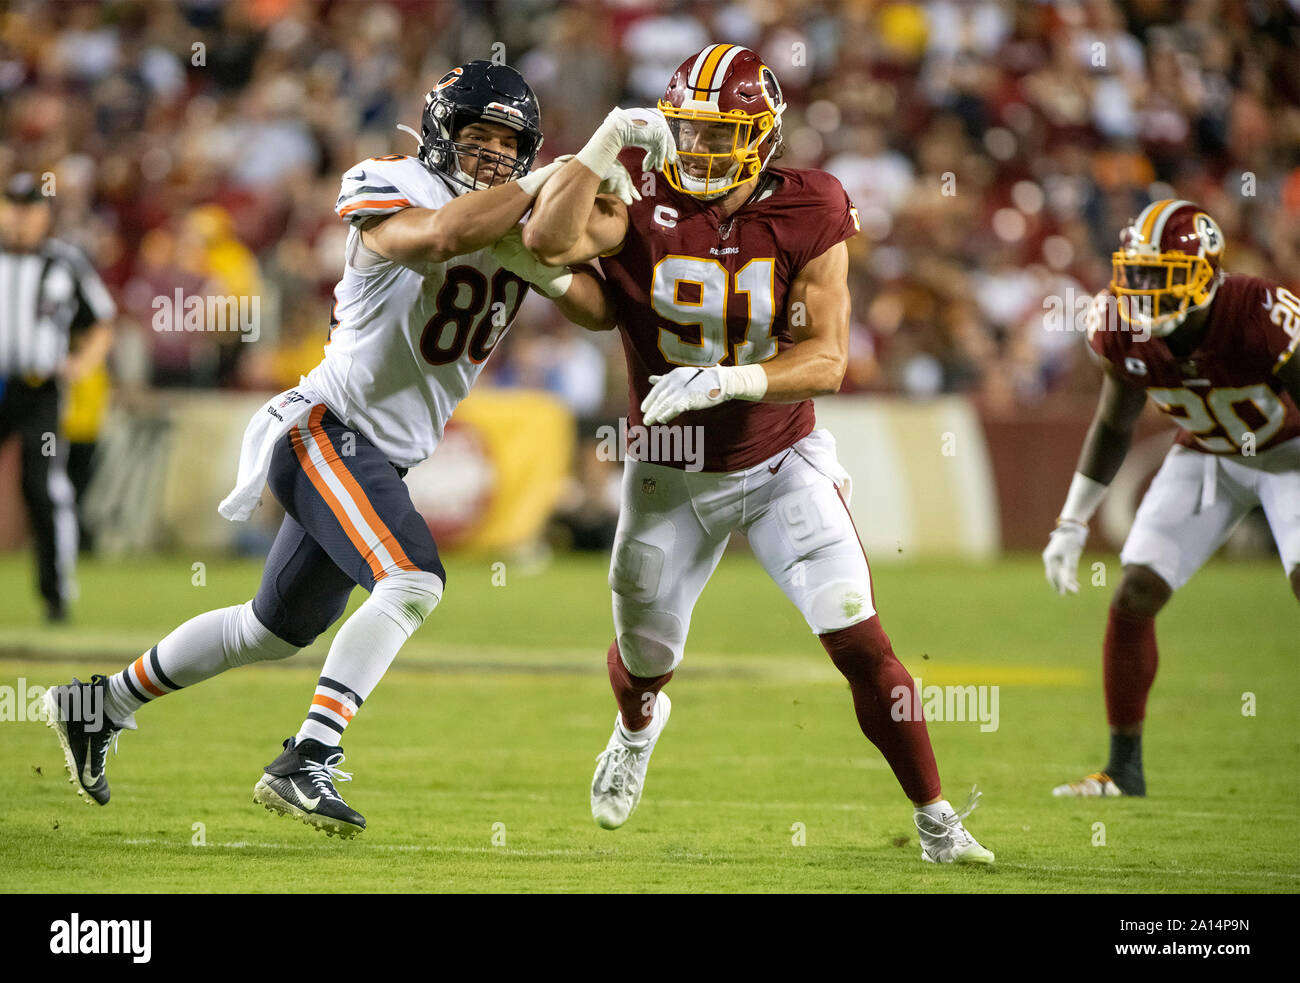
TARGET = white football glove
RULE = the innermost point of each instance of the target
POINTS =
(618, 182)
(512, 254)
(1061, 558)
(685, 389)
(645, 128)
(532, 183)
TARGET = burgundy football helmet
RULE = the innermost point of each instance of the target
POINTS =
(1167, 265)
(724, 108)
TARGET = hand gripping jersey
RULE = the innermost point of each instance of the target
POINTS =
(407, 342)
(693, 288)
(1225, 395)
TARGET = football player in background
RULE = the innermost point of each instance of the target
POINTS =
(427, 293)
(729, 280)
(1216, 352)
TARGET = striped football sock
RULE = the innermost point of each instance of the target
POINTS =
(202, 647)
(139, 683)
(359, 656)
(332, 709)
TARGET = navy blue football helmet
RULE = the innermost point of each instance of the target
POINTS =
(479, 91)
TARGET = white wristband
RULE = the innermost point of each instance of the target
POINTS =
(531, 183)
(556, 286)
(746, 381)
(1081, 501)
(602, 149)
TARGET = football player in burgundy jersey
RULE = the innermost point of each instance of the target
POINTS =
(1216, 352)
(729, 283)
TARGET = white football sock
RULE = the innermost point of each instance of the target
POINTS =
(937, 810)
(363, 650)
(201, 648)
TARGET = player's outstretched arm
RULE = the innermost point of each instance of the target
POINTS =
(1104, 450)
(463, 225)
(579, 293)
(571, 223)
(814, 365)
(586, 303)
(576, 219)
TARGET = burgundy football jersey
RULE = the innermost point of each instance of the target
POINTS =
(1227, 388)
(691, 288)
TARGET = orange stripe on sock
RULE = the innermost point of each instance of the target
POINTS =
(342, 709)
(138, 668)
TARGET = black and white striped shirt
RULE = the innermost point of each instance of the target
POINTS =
(45, 296)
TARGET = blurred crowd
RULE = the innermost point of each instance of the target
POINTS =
(994, 150)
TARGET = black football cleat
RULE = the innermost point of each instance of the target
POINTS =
(75, 713)
(300, 784)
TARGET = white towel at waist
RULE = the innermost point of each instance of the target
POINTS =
(271, 422)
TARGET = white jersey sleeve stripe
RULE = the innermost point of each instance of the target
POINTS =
(373, 205)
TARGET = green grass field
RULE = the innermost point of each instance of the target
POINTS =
(472, 759)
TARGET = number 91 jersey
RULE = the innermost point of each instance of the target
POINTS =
(406, 342)
(1225, 396)
(693, 288)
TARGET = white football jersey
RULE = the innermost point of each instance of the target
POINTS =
(407, 342)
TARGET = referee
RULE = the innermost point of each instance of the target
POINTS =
(55, 327)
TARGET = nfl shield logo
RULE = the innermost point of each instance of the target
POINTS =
(648, 486)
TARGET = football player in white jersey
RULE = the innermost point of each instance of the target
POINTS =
(434, 273)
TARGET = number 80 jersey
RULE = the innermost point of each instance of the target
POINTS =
(1225, 396)
(693, 288)
(406, 342)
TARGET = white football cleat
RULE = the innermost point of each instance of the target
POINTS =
(944, 840)
(1097, 785)
(620, 770)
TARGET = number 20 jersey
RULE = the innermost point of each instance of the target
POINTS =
(407, 341)
(1225, 396)
(692, 288)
